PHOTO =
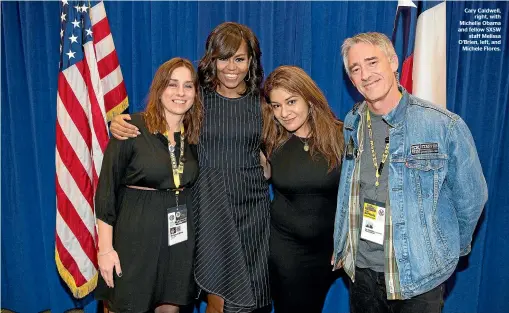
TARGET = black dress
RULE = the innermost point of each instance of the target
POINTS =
(153, 272)
(232, 205)
(302, 226)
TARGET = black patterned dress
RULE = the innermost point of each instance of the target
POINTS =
(232, 204)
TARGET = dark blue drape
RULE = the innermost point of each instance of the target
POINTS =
(307, 34)
(478, 90)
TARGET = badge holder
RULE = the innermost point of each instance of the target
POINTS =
(373, 222)
(177, 224)
(177, 215)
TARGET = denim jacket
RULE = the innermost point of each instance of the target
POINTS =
(437, 192)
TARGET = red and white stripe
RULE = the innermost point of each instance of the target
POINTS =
(430, 68)
(112, 81)
(424, 72)
(87, 92)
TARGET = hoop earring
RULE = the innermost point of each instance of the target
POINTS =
(248, 75)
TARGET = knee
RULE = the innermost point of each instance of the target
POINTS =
(215, 304)
(167, 308)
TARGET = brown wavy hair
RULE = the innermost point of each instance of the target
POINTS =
(326, 129)
(154, 112)
(222, 43)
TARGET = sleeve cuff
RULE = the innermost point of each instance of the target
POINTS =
(466, 250)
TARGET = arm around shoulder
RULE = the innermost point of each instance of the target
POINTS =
(121, 129)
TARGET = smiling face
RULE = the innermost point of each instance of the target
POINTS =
(178, 97)
(291, 111)
(231, 72)
(372, 73)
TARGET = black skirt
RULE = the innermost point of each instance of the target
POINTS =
(153, 273)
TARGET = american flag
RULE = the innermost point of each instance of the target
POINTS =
(90, 89)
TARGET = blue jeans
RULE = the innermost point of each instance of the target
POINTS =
(368, 295)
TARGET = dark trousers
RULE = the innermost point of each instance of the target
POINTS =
(368, 295)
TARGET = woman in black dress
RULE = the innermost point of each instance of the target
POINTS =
(231, 195)
(143, 200)
(304, 144)
(232, 198)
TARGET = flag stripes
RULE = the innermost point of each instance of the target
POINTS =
(88, 92)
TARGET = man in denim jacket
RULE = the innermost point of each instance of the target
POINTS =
(411, 189)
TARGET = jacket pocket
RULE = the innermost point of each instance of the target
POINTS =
(426, 162)
(427, 172)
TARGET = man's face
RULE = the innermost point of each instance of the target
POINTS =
(371, 71)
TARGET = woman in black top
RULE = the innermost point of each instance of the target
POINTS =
(304, 144)
(231, 199)
(143, 200)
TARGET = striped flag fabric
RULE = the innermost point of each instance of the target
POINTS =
(420, 34)
(90, 89)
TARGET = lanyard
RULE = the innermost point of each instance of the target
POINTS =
(177, 170)
(378, 168)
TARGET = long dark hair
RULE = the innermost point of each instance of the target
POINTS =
(222, 43)
(326, 129)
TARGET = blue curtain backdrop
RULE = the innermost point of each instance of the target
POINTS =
(307, 34)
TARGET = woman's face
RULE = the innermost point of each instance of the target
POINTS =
(178, 97)
(291, 111)
(231, 72)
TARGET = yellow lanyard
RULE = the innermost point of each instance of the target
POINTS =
(177, 170)
(378, 168)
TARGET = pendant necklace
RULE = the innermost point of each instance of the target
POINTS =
(305, 142)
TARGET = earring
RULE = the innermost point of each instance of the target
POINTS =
(248, 75)
(397, 78)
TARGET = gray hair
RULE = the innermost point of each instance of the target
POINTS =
(376, 39)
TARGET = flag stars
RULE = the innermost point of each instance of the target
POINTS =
(62, 17)
(84, 8)
(61, 33)
(78, 8)
(89, 32)
(73, 39)
(70, 54)
(76, 23)
(64, 2)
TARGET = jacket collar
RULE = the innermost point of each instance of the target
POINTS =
(396, 117)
